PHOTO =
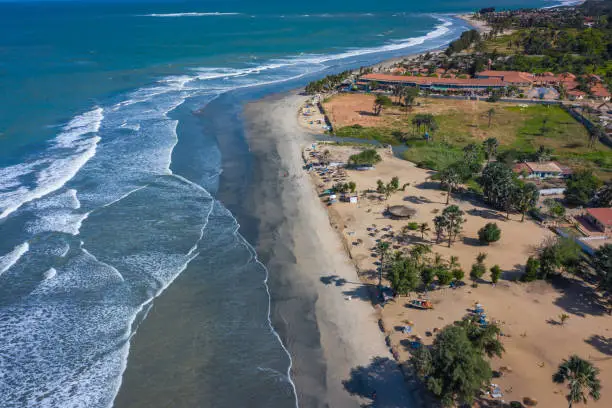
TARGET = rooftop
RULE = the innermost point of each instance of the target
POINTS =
(509, 76)
(433, 80)
(603, 215)
(545, 167)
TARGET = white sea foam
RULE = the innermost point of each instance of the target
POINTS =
(10, 259)
(564, 3)
(50, 273)
(191, 14)
(69, 151)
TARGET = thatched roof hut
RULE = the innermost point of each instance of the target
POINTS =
(401, 211)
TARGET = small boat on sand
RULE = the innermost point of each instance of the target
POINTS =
(421, 304)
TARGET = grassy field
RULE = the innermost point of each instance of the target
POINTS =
(521, 128)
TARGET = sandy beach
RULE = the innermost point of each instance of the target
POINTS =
(338, 351)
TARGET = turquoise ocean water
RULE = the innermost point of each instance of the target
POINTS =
(109, 182)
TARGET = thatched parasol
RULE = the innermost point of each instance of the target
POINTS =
(401, 211)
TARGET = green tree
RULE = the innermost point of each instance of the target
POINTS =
(497, 183)
(380, 102)
(531, 270)
(555, 209)
(455, 219)
(352, 186)
(383, 252)
(444, 276)
(484, 338)
(490, 146)
(453, 369)
(490, 114)
(581, 187)
(496, 273)
(525, 197)
(602, 263)
(450, 177)
(558, 254)
(368, 157)
(458, 274)
(419, 253)
(424, 229)
(478, 269)
(489, 233)
(428, 275)
(410, 95)
(582, 380)
(440, 225)
(404, 276)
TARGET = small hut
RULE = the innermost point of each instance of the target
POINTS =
(401, 212)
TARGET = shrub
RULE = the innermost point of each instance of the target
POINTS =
(489, 233)
(478, 270)
(458, 274)
(413, 226)
(444, 276)
(495, 273)
(531, 270)
(367, 157)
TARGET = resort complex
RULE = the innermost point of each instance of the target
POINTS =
(475, 202)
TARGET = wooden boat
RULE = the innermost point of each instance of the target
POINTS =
(421, 304)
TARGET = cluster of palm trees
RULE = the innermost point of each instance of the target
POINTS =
(405, 95)
(426, 122)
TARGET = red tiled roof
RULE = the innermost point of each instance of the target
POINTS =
(603, 215)
(600, 91)
(434, 81)
(513, 77)
(520, 167)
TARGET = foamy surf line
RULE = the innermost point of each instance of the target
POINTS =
(10, 259)
(192, 14)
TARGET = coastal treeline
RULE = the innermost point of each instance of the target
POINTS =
(327, 83)
(576, 40)
(464, 42)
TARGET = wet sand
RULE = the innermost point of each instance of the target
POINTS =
(339, 354)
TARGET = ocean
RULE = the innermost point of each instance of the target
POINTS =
(122, 167)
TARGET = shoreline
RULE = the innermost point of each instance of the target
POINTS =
(335, 343)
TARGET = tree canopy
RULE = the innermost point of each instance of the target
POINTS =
(453, 369)
(368, 157)
(581, 187)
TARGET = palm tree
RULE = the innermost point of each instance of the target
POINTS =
(453, 262)
(490, 114)
(419, 252)
(491, 145)
(424, 229)
(581, 377)
(383, 251)
(451, 177)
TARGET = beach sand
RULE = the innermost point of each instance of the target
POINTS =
(534, 339)
(339, 353)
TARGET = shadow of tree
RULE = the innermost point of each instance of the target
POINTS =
(515, 273)
(578, 297)
(486, 213)
(381, 382)
(428, 185)
(418, 200)
(362, 292)
(601, 343)
(367, 113)
(472, 242)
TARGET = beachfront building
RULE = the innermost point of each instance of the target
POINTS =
(431, 83)
(522, 80)
(544, 170)
(601, 218)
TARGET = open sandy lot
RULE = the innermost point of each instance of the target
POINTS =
(535, 343)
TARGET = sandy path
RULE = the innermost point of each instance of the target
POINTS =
(327, 335)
